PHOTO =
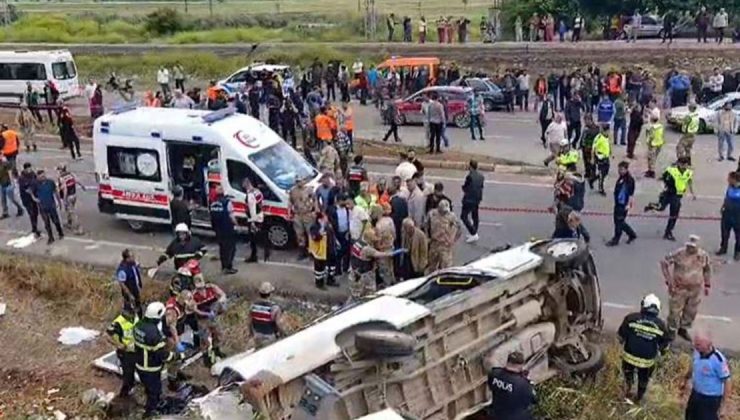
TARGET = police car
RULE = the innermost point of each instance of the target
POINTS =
(707, 113)
(250, 74)
(140, 153)
(423, 347)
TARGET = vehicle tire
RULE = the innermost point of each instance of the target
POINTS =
(660, 34)
(138, 226)
(562, 250)
(488, 105)
(703, 127)
(462, 120)
(590, 366)
(384, 343)
(279, 234)
(401, 119)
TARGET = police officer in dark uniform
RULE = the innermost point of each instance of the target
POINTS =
(356, 175)
(128, 276)
(513, 394)
(151, 355)
(121, 334)
(265, 318)
(183, 248)
(644, 336)
(224, 223)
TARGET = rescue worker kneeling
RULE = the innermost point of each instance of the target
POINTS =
(645, 336)
(185, 277)
(151, 355)
(210, 301)
(512, 394)
(266, 326)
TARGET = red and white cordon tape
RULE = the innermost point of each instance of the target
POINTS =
(595, 213)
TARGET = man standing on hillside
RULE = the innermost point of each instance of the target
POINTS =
(163, 79)
(391, 23)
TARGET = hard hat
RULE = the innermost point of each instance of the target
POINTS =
(693, 240)
(266, 288)
(184, 271)
(154, 310)
(564, 142)
(651, 301)
(182, 228)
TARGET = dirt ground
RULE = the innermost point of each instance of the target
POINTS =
(43, 375)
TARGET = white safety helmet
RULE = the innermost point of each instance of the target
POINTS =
(564, 142)
(266, 288)
(154, 310)
(182, 228)
(651, 301)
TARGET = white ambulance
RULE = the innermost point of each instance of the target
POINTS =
(141, 153)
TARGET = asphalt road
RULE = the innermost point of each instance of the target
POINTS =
(627, 272)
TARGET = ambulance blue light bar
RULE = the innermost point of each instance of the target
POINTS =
(124, 108)
(219, 115)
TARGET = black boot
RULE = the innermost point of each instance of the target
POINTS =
(252, 259)
(721, 251)
(668, 236)
(684, 334)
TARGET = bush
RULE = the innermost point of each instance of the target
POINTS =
(164, 21)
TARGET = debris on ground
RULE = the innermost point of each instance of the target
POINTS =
(97, 397)
(72, 336)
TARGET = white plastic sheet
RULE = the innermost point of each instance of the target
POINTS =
(72, 336)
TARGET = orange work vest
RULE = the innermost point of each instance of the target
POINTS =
(324, 126)
(349, 121)
(614, 84)
(212, 93)
(10, 147)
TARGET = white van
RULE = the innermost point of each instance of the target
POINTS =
(17, 68)
(139, 155)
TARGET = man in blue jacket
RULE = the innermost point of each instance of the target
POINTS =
(605, 111)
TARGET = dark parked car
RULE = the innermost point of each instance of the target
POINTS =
(492, 95)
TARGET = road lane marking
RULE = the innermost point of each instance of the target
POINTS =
(702, 316)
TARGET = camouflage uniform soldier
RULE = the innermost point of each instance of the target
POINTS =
(362, 260)
(444, 230)
(689, 128)
(329, 161)
(386, 231)
(301, 203)
(690, 270)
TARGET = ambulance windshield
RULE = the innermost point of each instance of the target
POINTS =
(281, 164)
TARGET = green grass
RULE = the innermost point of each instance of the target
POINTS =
(199, 66)
(226, 8)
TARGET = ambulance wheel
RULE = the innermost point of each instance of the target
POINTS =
(138, 226)
(280, 234)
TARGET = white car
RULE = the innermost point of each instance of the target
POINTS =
(423, 347)
(249, 74)
(707, 113)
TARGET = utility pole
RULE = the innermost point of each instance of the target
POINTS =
(186, 6)
(210, 7)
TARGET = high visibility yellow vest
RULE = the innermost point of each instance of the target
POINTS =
(681, 180)
(566, 159)
(691, 124)
(602, 148)
(656, 135)
(127, 338)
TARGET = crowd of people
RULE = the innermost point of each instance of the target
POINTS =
(546, 27)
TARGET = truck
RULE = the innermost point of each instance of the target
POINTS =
(423, 347)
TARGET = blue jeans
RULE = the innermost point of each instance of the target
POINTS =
(475, 122)
(8, 191)
(722, 138)
(445, 139)
(620, 127)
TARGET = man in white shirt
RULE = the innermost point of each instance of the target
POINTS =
(181, 101)
(163, 78)
(523, 90)
(715, 83)
(720, 22)
(554, 134)
(357, 68)
(90, 89)
(635, 26)
(357, 220)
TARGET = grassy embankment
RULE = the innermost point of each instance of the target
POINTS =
(44, 297)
